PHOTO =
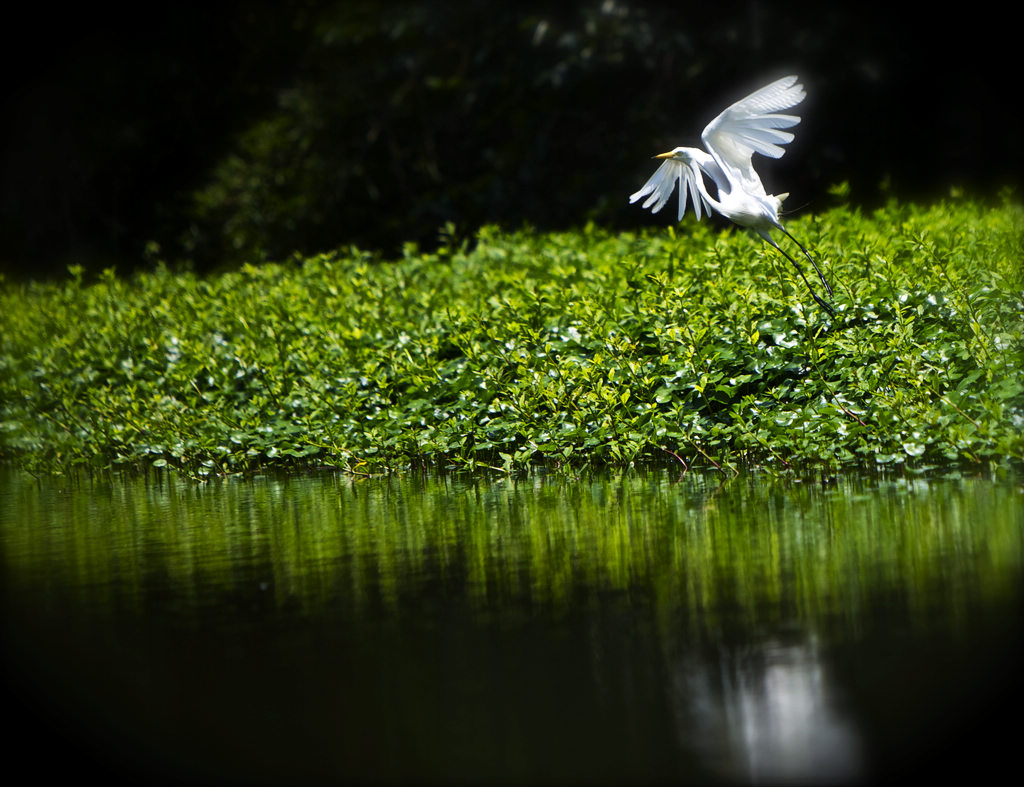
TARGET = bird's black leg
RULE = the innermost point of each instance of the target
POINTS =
(809, 257)
(799, 270)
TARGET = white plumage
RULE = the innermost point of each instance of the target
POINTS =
(752, 125)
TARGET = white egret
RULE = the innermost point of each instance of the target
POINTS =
(751, 125)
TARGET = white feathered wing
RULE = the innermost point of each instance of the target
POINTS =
(753, 125)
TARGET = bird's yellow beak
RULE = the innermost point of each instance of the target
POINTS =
(664, 155)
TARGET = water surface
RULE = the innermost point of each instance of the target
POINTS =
(632, 628)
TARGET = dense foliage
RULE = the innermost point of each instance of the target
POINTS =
(690, 344)
(249, 130)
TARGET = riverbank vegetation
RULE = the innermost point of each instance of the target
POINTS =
(691, 344)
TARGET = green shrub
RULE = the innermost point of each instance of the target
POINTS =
(577, 348)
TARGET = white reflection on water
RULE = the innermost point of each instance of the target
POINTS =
(766, 715)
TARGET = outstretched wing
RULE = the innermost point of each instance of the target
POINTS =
(753, 125)
(662, 183)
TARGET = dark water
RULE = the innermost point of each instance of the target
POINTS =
(637, 628)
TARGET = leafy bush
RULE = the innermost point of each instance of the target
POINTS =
(577, 348)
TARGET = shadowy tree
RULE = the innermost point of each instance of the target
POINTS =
(258, 130)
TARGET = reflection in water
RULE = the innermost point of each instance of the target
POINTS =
(616, 629)
(767, 715)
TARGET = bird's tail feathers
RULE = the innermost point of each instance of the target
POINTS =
(780, 197)
(776, 200)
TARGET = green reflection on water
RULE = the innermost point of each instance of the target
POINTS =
(620, 628)
(744, 552)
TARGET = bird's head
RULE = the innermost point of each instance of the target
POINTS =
(679, 154)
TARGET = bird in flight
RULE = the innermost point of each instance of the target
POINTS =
(751, 125)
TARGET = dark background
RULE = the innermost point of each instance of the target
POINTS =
(227, 132)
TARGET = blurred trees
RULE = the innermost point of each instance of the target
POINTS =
(251, 131)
